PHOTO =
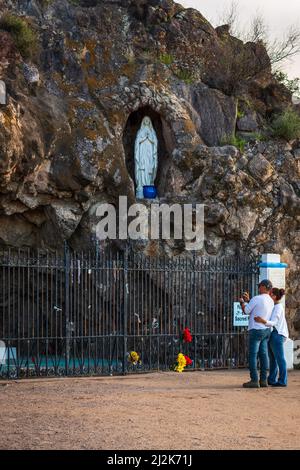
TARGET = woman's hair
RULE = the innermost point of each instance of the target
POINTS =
(279, 293)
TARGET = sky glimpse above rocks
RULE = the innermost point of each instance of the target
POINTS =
(279, 16)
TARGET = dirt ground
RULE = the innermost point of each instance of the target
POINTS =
(159, 411)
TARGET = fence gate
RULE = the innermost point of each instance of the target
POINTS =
(83, 313)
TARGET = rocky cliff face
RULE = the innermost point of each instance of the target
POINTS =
(74, 106)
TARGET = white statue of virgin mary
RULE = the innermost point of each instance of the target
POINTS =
(145, 156)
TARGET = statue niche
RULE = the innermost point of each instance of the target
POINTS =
(145, 156)
(148, 143)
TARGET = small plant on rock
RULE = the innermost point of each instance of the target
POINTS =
(185, 75)
(287, 125)
(23, 35)
(234, 140)
(293, 85)
(166, 59)
(240, 114)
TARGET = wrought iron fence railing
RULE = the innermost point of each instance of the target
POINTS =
(82, 313)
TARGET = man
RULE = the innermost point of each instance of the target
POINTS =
(259, 306)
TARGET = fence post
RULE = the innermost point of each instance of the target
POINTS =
(125, 295)
(67, 305)
(3, 98)
(271, 268)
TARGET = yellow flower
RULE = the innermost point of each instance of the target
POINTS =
(181, 363)
(134, 358)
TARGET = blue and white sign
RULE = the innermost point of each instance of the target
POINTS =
(239, 318)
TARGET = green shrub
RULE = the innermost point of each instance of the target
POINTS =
(240, 114)
(234, 140)
(287, 125)
(293, 85)
(260, 136)
(166, 59)
(24, 37)
(185, 76)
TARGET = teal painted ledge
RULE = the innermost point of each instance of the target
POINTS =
(273, 265)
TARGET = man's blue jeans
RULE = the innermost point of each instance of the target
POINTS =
(277, 359)
(258, 348)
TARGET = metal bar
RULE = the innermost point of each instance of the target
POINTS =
(125, 320)
(67, 308)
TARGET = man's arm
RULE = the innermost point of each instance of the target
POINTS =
(272, 322)
(244, 300)
(249, 307)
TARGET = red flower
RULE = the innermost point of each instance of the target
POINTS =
(189, 361)
(187, 337)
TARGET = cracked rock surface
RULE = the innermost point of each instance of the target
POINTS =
(73, 109)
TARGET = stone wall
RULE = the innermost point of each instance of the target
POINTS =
(64, 129)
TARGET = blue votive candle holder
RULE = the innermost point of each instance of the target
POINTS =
(150, 192)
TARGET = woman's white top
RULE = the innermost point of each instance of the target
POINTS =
(278, 320)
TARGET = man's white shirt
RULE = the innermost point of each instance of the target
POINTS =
(259, 306)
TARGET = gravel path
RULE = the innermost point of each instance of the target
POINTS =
(193, 410)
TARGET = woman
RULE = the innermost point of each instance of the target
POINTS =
(278, 337)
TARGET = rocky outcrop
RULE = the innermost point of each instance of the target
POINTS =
(73, 109)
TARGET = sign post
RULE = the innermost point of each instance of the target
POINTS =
(271, 268)
(2, 92)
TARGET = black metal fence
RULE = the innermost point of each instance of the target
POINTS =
(83, 313)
